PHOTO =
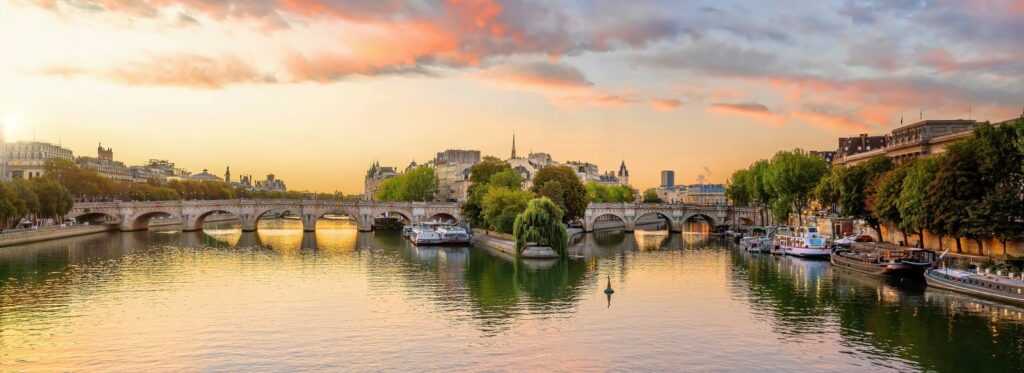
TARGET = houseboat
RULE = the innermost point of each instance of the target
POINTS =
(1009, 289)
(805, 242)
(436, 234)
(883, 260)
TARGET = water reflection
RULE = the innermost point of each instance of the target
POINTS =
(281, 299)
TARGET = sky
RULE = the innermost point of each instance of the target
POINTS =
(314, 91)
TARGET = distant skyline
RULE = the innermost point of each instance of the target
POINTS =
(314, 91)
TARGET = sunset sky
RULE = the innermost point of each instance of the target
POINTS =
(316, 90)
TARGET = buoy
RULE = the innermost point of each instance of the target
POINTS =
(608, 290)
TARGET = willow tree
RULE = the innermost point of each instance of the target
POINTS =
(541, 224)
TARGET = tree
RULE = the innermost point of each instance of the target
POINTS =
(738, 188)
(827, 193)
(502, 205)
(55, 200)
(569, 193)
(651, 196)
(481, 172)
(28, 201)
(507, 179)
(792, 176)
(8, 204)
(480, 176)
(418, 184)
(914, 216)
(541, 224)
(855, 185)
(601, 193)
(885, 201)
(953, 190)
(760, 191)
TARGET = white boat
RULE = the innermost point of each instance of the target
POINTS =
(451, 234)
(806, 242)
(425, 235)
(756, 244)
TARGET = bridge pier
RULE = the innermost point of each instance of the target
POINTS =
(309, 222)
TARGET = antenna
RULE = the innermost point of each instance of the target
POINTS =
(922, 114)
(901, 119)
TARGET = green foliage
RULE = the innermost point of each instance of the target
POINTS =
(565, 190)
(481, 172)
(886, 196)
(81, 183)
(792, 176)
(500, 206)
(600, 193)
(951, 191)
(480, 176)
(914, 217)
(541, 224)
(55, 200)
(651, 196)
(418, 184)
(738, 188)
(855, 187)
(507, 179)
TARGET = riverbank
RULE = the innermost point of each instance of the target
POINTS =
(50, 233)
(500, 242)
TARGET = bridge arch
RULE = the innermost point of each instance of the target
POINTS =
(444, 217)
(96, 217)
(597, 221)
(140, 221)
(699, 217)
(195, 222)
(669, 224)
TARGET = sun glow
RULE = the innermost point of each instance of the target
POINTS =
(10, 125)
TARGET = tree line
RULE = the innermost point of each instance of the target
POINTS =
(89, 185)
(496, 196)
(974, 190)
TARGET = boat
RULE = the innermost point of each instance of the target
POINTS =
(435, 233)
(451, 234)
(1008, 289)
(425, 235)
(884, 260)
(804, 243)
(756, 244)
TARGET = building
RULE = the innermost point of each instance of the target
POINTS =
(105, 165)
(694, 194)
(457, 156)
(205, 176)
(668, 179)
(452, 168)
(919, 139)
(158, 170)
(374, 176)
(271, 184)
(27, 160)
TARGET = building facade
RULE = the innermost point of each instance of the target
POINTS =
(694, 194)
(374, 176)
(27, 160)
(668, 179)
(271, 184)
(919, 139)
(105, 165)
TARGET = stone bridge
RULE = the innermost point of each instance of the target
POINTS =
(675, 215)
(133, 216)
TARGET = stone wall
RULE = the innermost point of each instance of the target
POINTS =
(992, 247)
(45, 234)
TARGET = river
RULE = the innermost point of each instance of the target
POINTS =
(337, 299)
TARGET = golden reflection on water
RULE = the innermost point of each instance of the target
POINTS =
(281, 300)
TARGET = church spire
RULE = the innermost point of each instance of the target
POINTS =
(513, 145)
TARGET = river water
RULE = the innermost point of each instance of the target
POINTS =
(282, 300)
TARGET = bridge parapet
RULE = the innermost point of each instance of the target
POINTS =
(135, 215)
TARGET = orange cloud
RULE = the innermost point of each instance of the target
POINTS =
(665, 104)
(751, 110)
(184, 70)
